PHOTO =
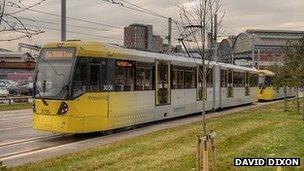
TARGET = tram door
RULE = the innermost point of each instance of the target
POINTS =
(247, 84)
(162, 80)
(201, 89)
(230, 92)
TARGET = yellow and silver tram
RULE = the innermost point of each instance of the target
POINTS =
(87, 87)
(268, 92)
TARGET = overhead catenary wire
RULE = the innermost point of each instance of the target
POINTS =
(134, 7)
(14, 27)
(26, 8)
(137, 8)
(56, 23)
(73, 32)
(2, 9)
(68, 17)
(144, 9)
(140, 9)
(27, 33)
(22, 7)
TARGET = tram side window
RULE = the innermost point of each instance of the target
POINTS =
(124, 76)
(239, 79)
(80, 78)
(230, 92)
(247, 78)
(94, 77)
(209, 77)
(230, 77)
(144, 76)
(235, 79)
(242, 78)
(223, 78)
(268, 81)
(254, 80)
(190, 78)
(177, 77)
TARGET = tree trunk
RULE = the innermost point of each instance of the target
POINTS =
(298, 101)
(303, 113)
(204, 117)
(205, 153)
(285, 99)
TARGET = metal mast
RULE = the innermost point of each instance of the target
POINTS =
(63, 20)
(169, 35)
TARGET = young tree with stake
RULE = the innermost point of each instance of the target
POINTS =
(198, 20)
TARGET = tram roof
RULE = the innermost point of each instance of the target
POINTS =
(266, 72)
(97, 49)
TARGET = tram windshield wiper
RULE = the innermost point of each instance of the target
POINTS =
(37, 88)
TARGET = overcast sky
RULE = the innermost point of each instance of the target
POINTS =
(240, 15)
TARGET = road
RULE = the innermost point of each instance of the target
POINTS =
(20, 144)
(17, 126)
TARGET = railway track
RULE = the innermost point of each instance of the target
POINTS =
(37, 148)
(30, 140)
(29, 145)
(10, 120)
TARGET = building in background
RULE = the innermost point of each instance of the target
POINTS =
(4, 50)
(178, 49)
(174, 49)
(149, 38)
(157, 45)
(225, 49)
(138, 36)
(258, 48)
(17, 66)
(141, 37)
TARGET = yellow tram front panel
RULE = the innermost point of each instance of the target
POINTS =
(267, 94)
(86, 113)
(256, 94)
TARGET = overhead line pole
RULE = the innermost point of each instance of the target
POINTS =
(215, 48)
(169, 35)
(215, 57)
(63, 20)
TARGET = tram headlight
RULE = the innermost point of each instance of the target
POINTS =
(63, 108)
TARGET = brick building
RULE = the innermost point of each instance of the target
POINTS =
(138, 36)
(141, 37)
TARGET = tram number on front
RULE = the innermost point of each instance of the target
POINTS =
(107, 87)
(45, 112)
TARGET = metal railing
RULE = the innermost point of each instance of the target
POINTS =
(16, 99)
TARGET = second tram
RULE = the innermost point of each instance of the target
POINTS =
(268, 91)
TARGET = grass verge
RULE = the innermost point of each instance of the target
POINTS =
(17, 106)
(261, 132)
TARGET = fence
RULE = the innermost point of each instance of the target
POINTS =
(17, 99)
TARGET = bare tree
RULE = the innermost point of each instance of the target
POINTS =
(198, 28)
(11, 25)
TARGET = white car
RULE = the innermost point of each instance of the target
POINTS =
(4, 93)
